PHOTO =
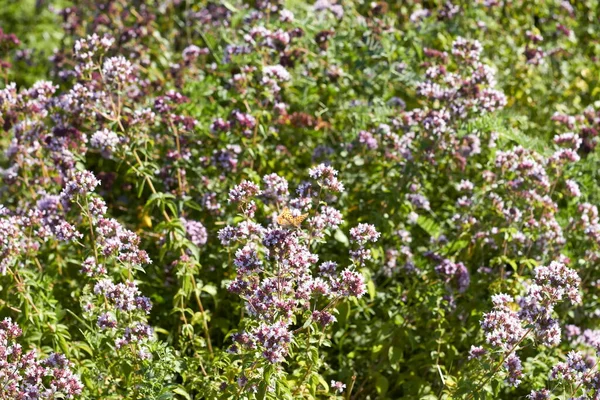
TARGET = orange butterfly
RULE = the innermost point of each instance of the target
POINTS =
(286, 218)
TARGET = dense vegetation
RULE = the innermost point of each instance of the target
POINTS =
(288, 200)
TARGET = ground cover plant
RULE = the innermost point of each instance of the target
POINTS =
(299, 200)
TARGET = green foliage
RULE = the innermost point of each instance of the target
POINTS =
(354, 100)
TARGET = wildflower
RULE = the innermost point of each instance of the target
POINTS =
(326, 176)
(502, 326)
(104, 140)
(476, 352)
(91, 268)
(543, 394)
(97, 206)
(351, 283)
(276, 188)
(117, 70)
(278, 72)
(514, 369)
(364, 233)
(367, 139)
(196, 232)
(82, 182)
(327, 218)
(572, 188)
(243, 192)
(25, 375)
(338, 386)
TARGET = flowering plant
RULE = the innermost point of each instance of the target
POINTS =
(284, 200)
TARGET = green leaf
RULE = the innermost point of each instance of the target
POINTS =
(210, 289)
(181, 391)
(381, 384)
(395, 354)
(322, 381)
(429, 226)
(262, 390)
(341, 237)
(343, 313)
(371, 289)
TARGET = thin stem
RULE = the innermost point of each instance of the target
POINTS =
(87, 213)
(592, 370)
(312, 363)
(308, 370)
(177, 143)
(504, 357)
(204, 324)
(210, 48)
(349, 392)
(195, 286)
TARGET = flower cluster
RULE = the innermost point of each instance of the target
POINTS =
(275, 271)
(454, 271)
(470, 89)
(361, 235)
(439, 176)
(119, 308)
(506, 329)
(26, 376)
(326, 177)
(196, 232)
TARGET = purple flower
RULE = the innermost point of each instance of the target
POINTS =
(559, 281)
(105, 141)
(82, 182)
(24, 376)
(276, 188)
(114, 240)
(243, 192)
(569, 138)
(572, 188)
(572, 370)
(468, 50)
(502, 326)
(328, 218)
(338, 386)
(91, 46)
(196, 232)
(324, 318)
(274, 340)
(91, 268)
(117, 70)
(350, 283)
(364, 233)
(514, 369)
(367, 139)
(450, 270)
(326, 176)
(278, 72)
(543, 394)
(106, 320)
(228, 235)
(247, 259)
(192, 52)
(97, 207)
(476, 352)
